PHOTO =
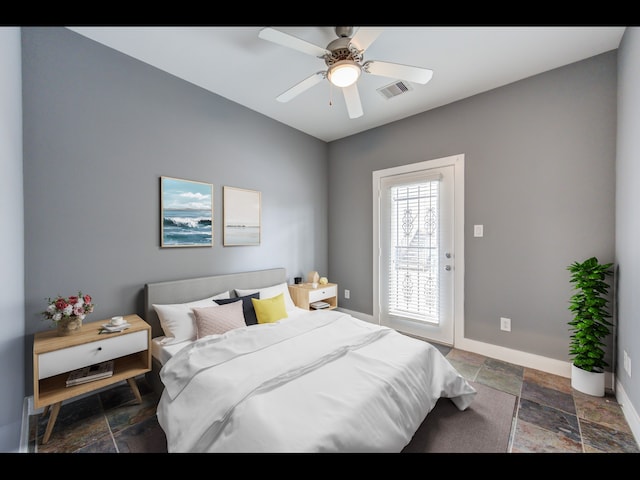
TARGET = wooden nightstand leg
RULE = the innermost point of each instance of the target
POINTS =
(52, 421)
(134, 387)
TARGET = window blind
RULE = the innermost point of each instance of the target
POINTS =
(414, 248)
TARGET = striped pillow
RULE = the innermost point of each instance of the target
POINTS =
(219, 319)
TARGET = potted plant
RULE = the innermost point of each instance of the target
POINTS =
(589, 325)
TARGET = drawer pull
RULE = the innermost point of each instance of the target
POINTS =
(99, 348)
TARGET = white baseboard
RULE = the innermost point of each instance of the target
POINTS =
(630, 414)
(27, 408)
(517, 357)
(537, 362)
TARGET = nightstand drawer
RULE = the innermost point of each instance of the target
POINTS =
(71, 358)
(322, 293)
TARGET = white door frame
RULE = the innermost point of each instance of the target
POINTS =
(457, 161)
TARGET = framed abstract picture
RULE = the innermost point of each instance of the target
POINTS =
(241, 221)
(186, 213)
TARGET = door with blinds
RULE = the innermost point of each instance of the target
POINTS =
(415, 264)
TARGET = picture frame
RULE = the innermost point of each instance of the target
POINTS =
(242, 212)
(186, 213)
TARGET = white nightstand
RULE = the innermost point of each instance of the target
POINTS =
(55, 356)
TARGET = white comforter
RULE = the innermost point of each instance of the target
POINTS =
(319, 382)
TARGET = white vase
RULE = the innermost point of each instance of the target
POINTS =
(591, 383)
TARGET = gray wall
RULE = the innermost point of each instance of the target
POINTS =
(627, 212)
(100, 128)
(540, 177)
(11, 242)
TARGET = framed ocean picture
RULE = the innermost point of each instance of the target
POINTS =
(241, 221)
(186, 213)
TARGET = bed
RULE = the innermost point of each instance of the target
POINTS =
(287, 380)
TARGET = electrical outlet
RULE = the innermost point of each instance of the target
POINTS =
(347, 294)
(505, 324)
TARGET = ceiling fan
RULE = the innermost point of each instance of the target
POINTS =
(344, 58)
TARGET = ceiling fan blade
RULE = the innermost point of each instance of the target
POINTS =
(365, 36)
(396, 70)
(305, 84)
(286, 40)
(352, 99)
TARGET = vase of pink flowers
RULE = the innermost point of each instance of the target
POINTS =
(68, 313)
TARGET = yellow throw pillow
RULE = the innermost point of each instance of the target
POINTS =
(270, 310)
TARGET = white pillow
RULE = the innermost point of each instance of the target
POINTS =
(178, 321)
(270, 292)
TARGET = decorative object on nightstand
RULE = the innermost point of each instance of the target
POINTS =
(323, 280)
(313, 277)
(68, 313)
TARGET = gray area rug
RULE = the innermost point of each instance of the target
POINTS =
(484, 427)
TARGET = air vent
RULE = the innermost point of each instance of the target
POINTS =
(394, 89)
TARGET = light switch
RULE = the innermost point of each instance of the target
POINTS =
(478, 230)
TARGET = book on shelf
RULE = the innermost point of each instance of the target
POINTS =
(319, 305)
(90, 373)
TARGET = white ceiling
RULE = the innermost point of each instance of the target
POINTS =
(234, 63)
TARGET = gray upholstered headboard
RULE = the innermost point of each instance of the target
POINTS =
(190, 289)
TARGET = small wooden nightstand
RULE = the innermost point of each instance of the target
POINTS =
(303, 294)
(55, 356)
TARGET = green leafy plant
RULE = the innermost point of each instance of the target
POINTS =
(589, 307)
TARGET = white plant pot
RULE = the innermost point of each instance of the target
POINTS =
(591, 383)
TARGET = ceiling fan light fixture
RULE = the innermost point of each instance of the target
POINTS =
(344, 73)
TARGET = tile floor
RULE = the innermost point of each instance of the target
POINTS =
(550, 418)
